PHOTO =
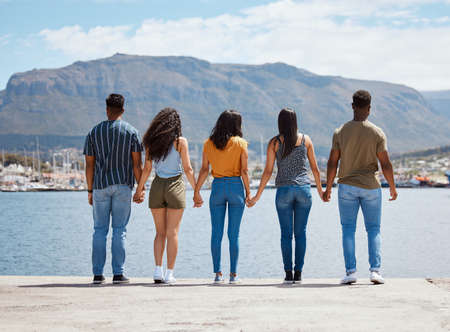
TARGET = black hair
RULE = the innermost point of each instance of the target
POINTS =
(115, 102)
(228, 124)
(361, 98)
(287, 127)
(164, 130)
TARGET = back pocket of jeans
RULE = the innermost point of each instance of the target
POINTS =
(124, 193)
(100, 195)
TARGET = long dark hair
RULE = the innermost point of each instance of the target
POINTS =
(164, 129)
(228, 124)
(287, 127)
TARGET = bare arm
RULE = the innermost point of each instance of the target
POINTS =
(137, 165)
(267, 174)
(332, 166)
(313, 164)
(388, 172)
(90, 165)
(244, 173)
(202, 175)
(139, 194)
(186, 161)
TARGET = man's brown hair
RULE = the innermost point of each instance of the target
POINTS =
(361, 98)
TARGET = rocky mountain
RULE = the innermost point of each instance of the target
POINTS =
(69, 101)
(439, 102)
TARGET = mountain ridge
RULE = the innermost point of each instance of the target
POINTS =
(439, 101)
(70, 100)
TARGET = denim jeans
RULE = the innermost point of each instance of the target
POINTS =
(350, 199)
(293, 205)
(113, 201)
(227, 190)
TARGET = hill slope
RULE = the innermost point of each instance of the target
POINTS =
(70, 100)
(439, 101)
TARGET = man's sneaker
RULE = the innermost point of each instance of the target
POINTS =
(219, 279)
(234, 279)
(298, 277)
(98, 280)
(120, 279)
(158, 276)
(349, 279)
(289, 279)
(376, 278)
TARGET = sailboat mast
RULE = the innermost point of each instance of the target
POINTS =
(25, 158)
(38, 157)
(262, 149)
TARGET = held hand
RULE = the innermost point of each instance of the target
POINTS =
(198, 204)
(249, 202)
(247, 199)
(139, 196)
(142, 196)
(136, 197)
(327, 195)
(394, 194)
(198, 200)
(321, 193)
(90, 198)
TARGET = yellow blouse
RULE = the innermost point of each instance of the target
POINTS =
(226, 162)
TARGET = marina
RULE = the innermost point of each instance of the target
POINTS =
(64, 171)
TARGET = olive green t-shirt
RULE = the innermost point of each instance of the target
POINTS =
(359, 142)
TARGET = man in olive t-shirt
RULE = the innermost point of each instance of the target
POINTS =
(359, 145)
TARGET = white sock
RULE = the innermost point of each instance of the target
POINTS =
(169, 272)
(158, 269)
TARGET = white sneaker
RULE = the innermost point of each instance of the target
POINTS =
(234, 279)
(349, 279)
(158, 275)
(376, 278)
(219, 279)
(169, 279)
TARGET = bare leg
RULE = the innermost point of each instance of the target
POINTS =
(159, 217)
(172, 226)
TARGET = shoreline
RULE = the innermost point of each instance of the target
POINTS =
(205, 189)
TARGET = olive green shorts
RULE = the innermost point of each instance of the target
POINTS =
(167, 193)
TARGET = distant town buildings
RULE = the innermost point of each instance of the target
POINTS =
(63, 170)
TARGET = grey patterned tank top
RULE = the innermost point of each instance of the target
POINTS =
(292, 169)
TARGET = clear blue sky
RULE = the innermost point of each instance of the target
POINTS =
(400, 41)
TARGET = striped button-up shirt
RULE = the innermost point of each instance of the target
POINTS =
(111, 143)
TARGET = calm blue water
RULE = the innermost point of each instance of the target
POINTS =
(50, 234)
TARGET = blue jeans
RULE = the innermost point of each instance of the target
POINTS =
(227, 190)
(293, 205)
(350, 199)
(113, 201)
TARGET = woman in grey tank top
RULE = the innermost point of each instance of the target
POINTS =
(293, 198)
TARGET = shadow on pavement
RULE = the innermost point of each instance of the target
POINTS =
(90, 285)
(243, 284)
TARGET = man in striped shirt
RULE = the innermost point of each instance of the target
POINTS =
(113, 161)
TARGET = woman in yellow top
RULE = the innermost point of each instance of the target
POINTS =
(226, 152)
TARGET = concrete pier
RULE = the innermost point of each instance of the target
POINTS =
(73, 304)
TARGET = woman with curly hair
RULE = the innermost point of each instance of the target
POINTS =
(167, 151)
(226, 152)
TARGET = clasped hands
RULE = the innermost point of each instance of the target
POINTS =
(139, 196)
